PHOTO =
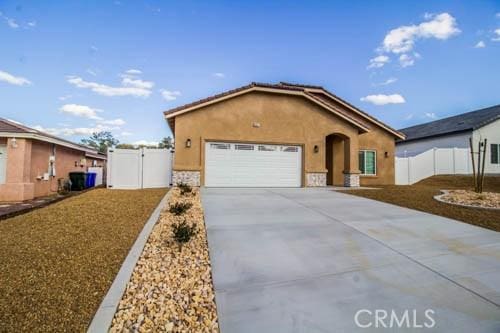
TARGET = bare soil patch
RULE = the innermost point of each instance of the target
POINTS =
(420, 196)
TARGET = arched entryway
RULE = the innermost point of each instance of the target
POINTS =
(338, 158)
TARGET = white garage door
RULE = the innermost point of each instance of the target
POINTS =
(252, 165)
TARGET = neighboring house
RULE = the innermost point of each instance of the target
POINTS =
(31, 162)
(454, 132)
(280, 135)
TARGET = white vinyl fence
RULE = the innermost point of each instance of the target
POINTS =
(139, 168)
(437, 161)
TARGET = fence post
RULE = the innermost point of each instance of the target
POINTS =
(434, 160)
(454, 160)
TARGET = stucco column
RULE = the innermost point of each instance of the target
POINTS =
(351, 158)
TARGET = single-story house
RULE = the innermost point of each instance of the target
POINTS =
(31, 161)
(454, 132)
(280, 135)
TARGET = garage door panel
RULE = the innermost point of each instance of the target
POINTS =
(252, 165)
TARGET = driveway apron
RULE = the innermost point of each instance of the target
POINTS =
(311, 259)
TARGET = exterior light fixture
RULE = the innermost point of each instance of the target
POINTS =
(386, 154)
(188, 143)
(13, 143)
(316, 149)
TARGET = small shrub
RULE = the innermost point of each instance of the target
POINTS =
(184, 188)
(180, 208)
(183, 232)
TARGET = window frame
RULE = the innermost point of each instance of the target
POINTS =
(498, 153)
(363, 173)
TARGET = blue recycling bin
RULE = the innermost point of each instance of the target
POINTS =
(90, 179)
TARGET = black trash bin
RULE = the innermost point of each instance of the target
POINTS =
(77, 180)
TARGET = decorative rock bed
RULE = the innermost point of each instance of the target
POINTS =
(171, 290)
(485, 200)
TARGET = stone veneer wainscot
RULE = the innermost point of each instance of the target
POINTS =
(315, 179)
(191, 178)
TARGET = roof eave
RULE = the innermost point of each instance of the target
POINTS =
(297, 92)
(41, 137)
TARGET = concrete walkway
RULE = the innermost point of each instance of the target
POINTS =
(307, 260)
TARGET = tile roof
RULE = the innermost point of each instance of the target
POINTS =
(9, 126)
(459, 123)
(313, 91)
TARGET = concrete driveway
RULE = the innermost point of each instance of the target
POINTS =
(307, 260)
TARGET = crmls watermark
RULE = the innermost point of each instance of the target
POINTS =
(380, 318)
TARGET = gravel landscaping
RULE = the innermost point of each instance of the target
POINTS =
(171, 287)
(420, 196)
(488, 200)
(58, 262)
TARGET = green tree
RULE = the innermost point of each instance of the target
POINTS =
(125, 146)
(101, 141)
(166, 143)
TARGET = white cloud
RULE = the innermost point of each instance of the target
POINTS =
(219, 75)
(137, 83)
(496, 38)
(170, 95)
(409, 116)
(402, 39)
(65, 97)
(81, 111)
(145, 143)
(92, 72)
(407, 60)
(386, 82)
(497, 15)
(480, 45)
(106, 90)
(113, 122)
(85, 131)
(15, 80)
(125, 133)
(32, 24)
(133, 71)
(378, 61)
(431, 115)
(384, 99)
(10, 21)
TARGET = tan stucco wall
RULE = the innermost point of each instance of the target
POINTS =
(380, 141)
(282, 118)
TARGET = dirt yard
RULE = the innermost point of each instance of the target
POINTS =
(420, 196)
(58, 262)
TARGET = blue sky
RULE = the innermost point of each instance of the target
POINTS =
(71, 67)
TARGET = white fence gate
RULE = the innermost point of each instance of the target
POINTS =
(139, 168)
(437, 161)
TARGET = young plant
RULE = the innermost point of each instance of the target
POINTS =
(180, 208)
(183, 232)
(184, 188)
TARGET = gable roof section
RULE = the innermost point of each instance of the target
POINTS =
(11, 129)
(460, 123)
(315, 94)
